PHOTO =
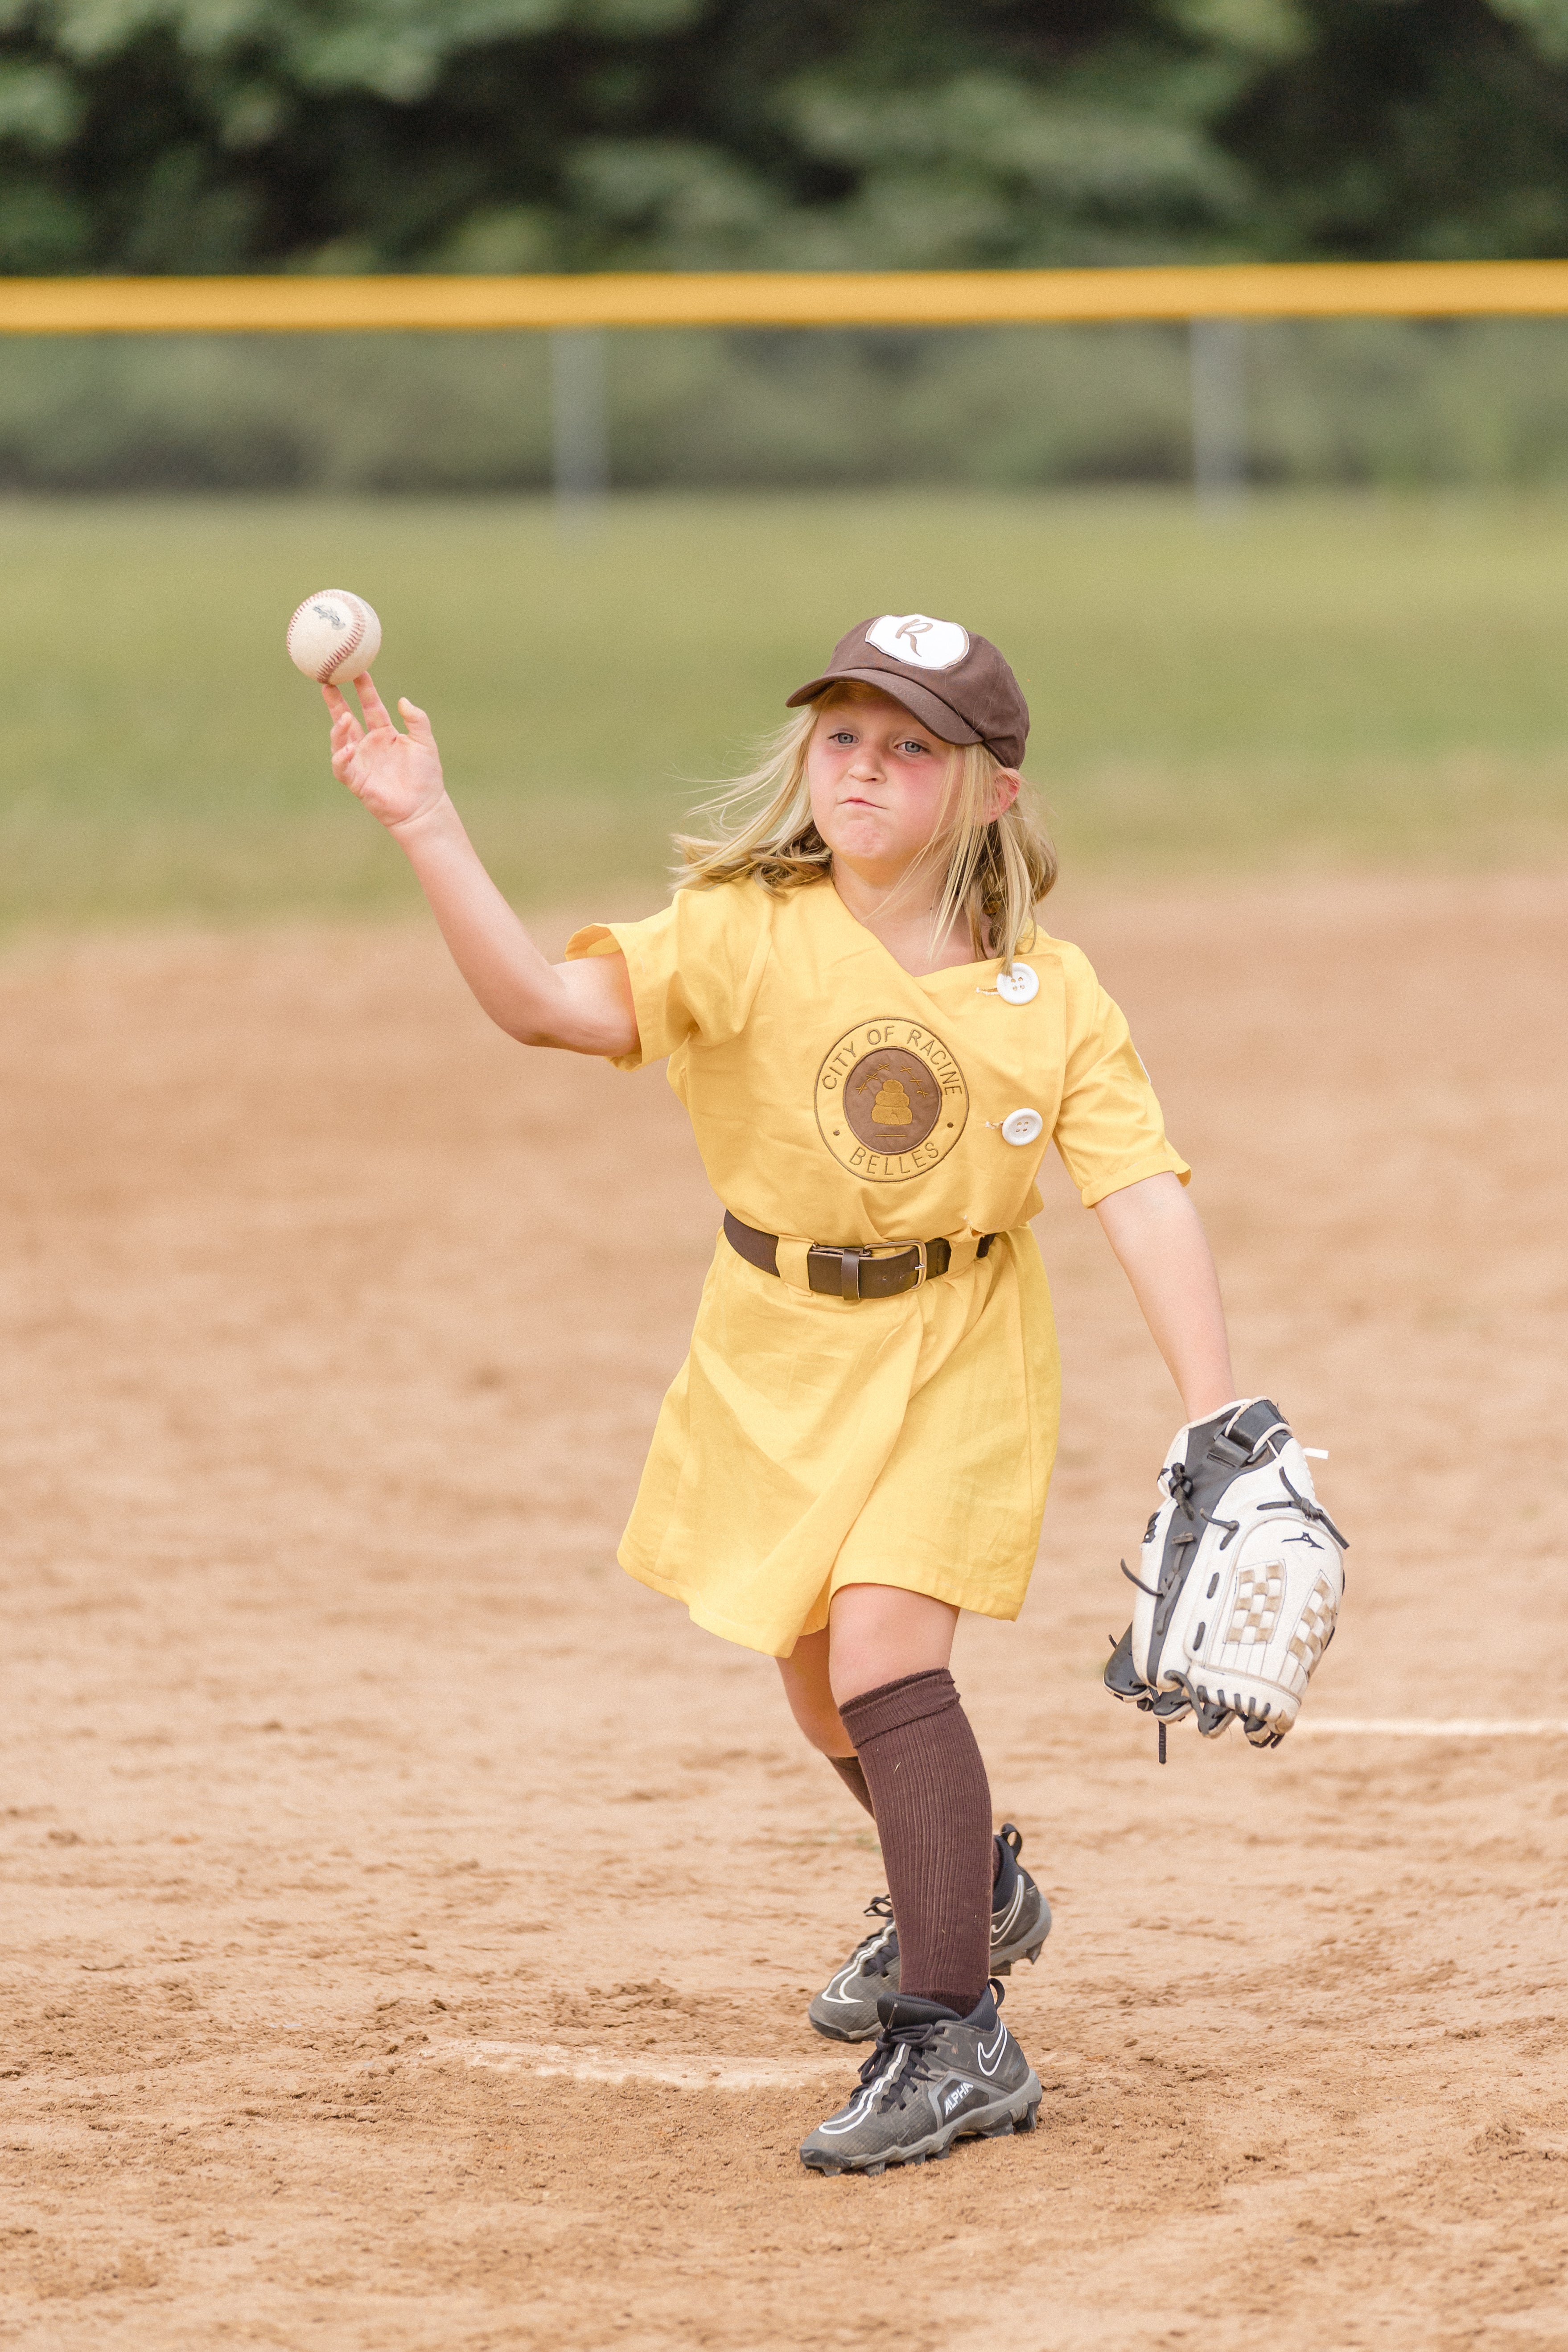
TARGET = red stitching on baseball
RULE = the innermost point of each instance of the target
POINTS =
(323, 677)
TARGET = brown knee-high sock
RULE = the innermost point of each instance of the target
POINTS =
(932, 1806)
(851, 1772)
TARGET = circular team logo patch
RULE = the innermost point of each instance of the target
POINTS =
(890, 1100)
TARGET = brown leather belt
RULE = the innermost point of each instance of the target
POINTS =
(851, 1273)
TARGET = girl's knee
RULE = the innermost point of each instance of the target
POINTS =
(807, 1688)
(880, 1632)
(820, 1725)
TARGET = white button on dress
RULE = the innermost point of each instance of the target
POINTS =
(1021, 1127)
(1019, 984)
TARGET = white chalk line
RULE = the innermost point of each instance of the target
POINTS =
(588, 2064)
(596, 2065)
(1435, 1726)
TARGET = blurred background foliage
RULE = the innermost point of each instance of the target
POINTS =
(1320, 674)
(216, 135)
(698, 134)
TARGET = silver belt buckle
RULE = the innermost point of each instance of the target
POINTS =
(852, 1258)
(881, 1249)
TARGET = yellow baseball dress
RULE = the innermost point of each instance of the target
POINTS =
(810, 1440)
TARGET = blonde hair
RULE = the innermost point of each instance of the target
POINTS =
(998, 869)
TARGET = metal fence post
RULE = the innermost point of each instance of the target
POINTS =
(1218, 355)
(580, 450)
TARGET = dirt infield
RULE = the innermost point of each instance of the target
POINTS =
(407, 1917)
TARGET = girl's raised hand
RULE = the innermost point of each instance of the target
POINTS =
(397, 777)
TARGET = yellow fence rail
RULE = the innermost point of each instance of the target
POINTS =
(915, 297)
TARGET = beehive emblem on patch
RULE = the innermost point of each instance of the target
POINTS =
(890, 1100)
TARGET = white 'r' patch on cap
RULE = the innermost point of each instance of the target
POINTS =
(916, 638)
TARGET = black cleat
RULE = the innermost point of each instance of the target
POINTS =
(934, 2077)
(846, 2008)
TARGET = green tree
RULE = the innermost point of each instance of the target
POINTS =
(483, 134)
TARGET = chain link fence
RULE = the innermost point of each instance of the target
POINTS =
(1308, 402)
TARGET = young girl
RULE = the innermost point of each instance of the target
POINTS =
(876, 1045)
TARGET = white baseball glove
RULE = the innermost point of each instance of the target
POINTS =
(1239, 1584)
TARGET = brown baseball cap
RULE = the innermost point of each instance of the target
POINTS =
(958, 685)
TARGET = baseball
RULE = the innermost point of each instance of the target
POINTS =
(334, 637)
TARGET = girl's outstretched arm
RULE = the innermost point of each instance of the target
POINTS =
(1154, 1231)
(585, 1007)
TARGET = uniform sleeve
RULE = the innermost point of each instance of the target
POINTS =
(1110, 1131)
(694, 967)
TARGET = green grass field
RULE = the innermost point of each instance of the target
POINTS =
(1343, 679)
